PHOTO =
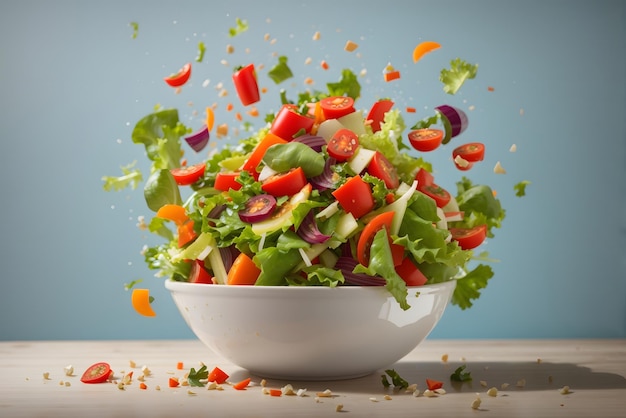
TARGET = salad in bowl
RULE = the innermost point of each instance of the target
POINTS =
(328, 192)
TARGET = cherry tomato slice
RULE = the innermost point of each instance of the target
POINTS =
(469, 238)
(383, 169)
(424, 177)
(258, 208)
(343, 144)
(472, 152)
(337, 106)
(185, 176)
(97, 373)
(377, 113)
(285, 184)
(180, 78)
(437, 193)
(355, 196)
(199, 274)
(426, 139)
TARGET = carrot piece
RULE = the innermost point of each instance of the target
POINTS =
(140, 299)
(490, 88)
(392, 75)
(410, 109)
(174, 213)
(186, 233)
(276, 392)
(143, 386)
(210, 118)
(243, 271)
(179, 365)
(173, 382)
(424, 48)
(217, 375)
(253, 111)
(324, 65)
(242, 385)
(238, 116)
(257, 155)
(229, 107)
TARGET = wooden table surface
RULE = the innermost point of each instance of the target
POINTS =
(529, 376)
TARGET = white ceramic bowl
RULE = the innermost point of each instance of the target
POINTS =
(309, 333)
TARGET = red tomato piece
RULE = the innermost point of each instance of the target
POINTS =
(180, 78)
(258, 208)
(424, 178)
(383, 169)
(472, 152)
(186, 233)
(96, 373)
(355, 196)
(469, 238)
(245, 82)
(437, 193)
(285, 184)
(337, 106)
(199, 273)
(218, 376)
(367, 235)
(434, 384)
(410, 273)
(226, 180)
(343, 145)
(187, 175)
(377, 113)
(288, 122)
(426, 139)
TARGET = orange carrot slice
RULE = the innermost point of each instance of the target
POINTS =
(424, 48)
(140, 300)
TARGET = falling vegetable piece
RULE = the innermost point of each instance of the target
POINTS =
(241, 26)
(281, 71)
(472, 152)
(201, 51)
(426, 139)
(459, 72)
(141, 300)
(199, 139)
(350, 46)
(454, 120)
(245, 81)
(520, 188)
(180, 78)
(210, 118)
(135, 27)
(424, 48)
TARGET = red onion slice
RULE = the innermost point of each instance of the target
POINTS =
(325, 180)
(309, 232)
(258, 208)
(457, 118)
(199, 139)
(347, 264)
(313, 141)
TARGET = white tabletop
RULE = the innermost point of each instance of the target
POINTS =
(529, 376)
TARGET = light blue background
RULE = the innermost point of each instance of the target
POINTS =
(74, 82)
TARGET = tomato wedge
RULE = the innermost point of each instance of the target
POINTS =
(288, 123)
(469, 238)
(377, 113)
(226, 180)
(433, 384)
(437, 193)
(343, 144)
(185, 176)
(180, 78)
(199, 274)
(472, 152)
(218, 376)
(285, 184)
(382, 168)
(410, 273)
(337, 106)
(377, 223)
(97, 373)
(426, 139)
(245, 82)
(424, 178)
(355, 196)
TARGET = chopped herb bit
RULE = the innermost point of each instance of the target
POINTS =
(396, 380)
(520, 188)
(128, 286)
(241, 26)
(135, 27)
(454, 77)
(460, 375)
(281, 71)
(195, 377)
(201, 51)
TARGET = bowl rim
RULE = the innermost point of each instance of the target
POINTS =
(186, 287)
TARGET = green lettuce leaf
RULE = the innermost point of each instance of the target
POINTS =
(468, 287)
(459, 72)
